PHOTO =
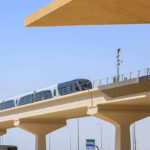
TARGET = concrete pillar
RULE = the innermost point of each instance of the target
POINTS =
(40, 142)
(122, 141)
(122, 120)
(2, 132)
(40, 130)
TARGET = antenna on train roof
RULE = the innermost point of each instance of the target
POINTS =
(119, 62)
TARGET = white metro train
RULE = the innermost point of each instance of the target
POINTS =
(47, 93)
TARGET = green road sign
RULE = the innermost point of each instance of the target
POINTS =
(90, 140)
(90, 144)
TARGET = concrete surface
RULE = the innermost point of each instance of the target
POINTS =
(90, 12)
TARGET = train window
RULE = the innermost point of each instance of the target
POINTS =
(0, 106)
(54, 93)
(65, 90)
(61, 91)
(39, 96)
(76, 88)
(8, 104)
(80, 82)
(72, 88)
(26, 100)
(47, 94)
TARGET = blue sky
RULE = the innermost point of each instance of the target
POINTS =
(34, 58)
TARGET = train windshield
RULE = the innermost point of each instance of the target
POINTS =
(85, 84)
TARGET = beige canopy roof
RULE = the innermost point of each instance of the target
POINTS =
(90, 12)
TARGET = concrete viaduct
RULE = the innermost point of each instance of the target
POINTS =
(121, 103)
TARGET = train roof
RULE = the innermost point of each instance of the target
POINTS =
(70, 82)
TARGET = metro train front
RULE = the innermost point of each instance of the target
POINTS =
(61, 89)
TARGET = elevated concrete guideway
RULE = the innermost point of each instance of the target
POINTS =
(90, 12)
(46, 116)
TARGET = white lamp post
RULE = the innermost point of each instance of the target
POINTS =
(101, 135)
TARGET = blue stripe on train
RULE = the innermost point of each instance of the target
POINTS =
(90, 145)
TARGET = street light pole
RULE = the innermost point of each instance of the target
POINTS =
(119, 61)
(49, 141)
(134, 137)
(1, 140)
(78, 128)
(101, 135)
(70, 137)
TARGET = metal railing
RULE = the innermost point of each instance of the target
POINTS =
(76, 88)
(122, 77)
